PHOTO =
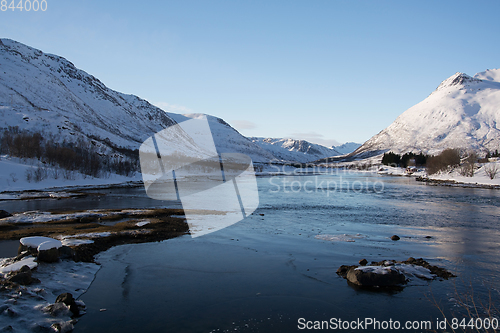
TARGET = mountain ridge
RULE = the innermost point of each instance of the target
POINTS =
(47, 93)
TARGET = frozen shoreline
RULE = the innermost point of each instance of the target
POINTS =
(26, 308)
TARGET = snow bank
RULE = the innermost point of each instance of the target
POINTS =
(41, 243)
(13, 178)
(480, 177)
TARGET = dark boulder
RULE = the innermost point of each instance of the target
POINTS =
(57, 309)
(342, 270)
(67, 298)
(4, 213)
(395, 237)
(22, 276)
(50, 255)
(376, 276)
(66, 252)
(363, 262)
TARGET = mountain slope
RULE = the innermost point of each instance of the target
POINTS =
(294, 150)
(45, 92)
(463, 112)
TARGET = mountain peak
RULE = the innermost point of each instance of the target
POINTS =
(461, 113)
(457, 79)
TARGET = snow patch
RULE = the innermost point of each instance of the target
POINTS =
(14, 267)
(142, 223)
(375, 269)
(76, 242)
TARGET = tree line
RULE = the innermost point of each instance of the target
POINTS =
(446, 160)
(80, 155)
(405, 160)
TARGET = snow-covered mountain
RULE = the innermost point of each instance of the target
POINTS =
(45, 92)
(227, 139)
(463, 112)
(294, 150)
(347, 147)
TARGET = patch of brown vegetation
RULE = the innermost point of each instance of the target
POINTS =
(90, 224)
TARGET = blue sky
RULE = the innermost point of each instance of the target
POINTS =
(315, 70)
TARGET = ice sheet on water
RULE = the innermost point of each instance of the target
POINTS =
(340, 238)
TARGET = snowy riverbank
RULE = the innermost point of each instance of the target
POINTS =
(13, 178)
(451, 177)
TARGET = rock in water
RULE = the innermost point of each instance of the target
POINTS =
(395, 237)
(375, 276)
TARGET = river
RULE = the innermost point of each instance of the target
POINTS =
(275, 271)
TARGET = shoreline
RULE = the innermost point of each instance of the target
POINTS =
(83, 236)
(454, 183)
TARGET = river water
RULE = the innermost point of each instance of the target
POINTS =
(277, 266)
